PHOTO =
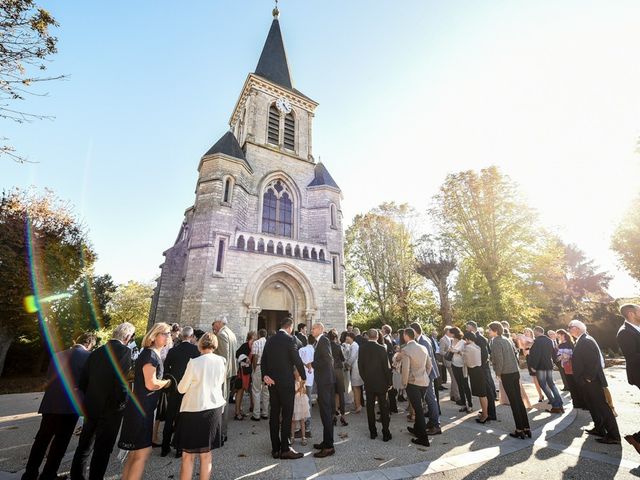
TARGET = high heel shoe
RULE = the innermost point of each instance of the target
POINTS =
(517, 434)
(527, 432)
(343, 422)
(486, 419)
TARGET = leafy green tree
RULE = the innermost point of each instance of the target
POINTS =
(484, 218)
(131, 303)
(41, 241)
(381, 276)
(626, 240)
(25, 46)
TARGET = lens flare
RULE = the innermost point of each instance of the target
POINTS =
(39, 305)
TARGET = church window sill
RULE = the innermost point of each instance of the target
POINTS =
(225, 204)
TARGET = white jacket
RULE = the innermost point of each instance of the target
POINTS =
(202, 383)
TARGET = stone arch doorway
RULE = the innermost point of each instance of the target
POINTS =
(277, 292)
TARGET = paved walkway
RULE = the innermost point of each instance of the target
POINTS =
(465, 450)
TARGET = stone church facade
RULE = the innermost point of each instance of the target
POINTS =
(264, 237)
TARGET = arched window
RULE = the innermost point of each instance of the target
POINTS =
(296, 251)
(289, 132)
(261, 245)
(280, 249)
(241, 242)
(287, 251)
(270, 246)
(321, 256)
(226, 196)
(305, 253)
(273, 129)
(333, 215)
(251, 244)
(277, 210)
(314, 254)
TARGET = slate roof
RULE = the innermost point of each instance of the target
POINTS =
(228, 145)
(273, 63)
(322, 177)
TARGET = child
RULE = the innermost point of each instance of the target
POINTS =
(300, 408)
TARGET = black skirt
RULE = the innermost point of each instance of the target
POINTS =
(199, 432)
(478, 382)
(339, 380)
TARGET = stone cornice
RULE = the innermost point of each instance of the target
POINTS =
(223, 156)
(261, 84)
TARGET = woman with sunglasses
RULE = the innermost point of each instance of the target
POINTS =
(137, 425)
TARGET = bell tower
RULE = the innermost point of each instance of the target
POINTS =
(270, 113)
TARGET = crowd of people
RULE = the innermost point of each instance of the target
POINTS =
(189, 379)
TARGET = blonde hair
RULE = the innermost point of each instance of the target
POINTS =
(208, 341)
(156, 330)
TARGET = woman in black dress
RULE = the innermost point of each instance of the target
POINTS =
(137, 425)
(473, 361)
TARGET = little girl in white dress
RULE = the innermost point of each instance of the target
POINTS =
(300, 408)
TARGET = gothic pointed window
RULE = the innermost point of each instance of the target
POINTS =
(227, 191)
(277, 210)
(289, 132)
(273, 128)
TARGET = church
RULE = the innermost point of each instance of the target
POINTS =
(263, 238)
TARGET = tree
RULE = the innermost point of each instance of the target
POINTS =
(435, 261)
(25, 45)
(44, 250)
(626, 240)
(131, 303)
(381, 267)
(483, 217)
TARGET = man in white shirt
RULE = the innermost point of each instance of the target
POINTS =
(306, 355)
(259, 391)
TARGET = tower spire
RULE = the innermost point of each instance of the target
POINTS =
(273, 63)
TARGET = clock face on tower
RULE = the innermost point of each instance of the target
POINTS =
(283, 105)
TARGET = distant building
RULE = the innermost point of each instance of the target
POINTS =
(264, 237)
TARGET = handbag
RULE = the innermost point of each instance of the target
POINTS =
(448, 356)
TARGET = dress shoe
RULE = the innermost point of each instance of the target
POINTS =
(373, 436)
(411, 430)
(255, 419)
(386, 437)
(632, 440)
(164, 452)
(421, 441)
(275, 454)
(595, 432)
(555, 410)
(608, 440)
(517, 434)
(290, 454)
(318, 446)
(434, 431)
(325, 452)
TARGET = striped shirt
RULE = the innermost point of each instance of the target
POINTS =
(257, 348)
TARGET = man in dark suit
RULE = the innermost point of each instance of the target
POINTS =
(279, 357)
(431, 394)
(175, 365)
(587, 363)
(540, 362)
(392, 394)
(325, 380)
(373, 364)
(104, 384)
(301, 334)
(59, 408)
(629, 342)
(484, 354)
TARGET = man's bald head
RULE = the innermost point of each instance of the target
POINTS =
(317, 329)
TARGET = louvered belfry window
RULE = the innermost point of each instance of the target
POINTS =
(289, 132)
(273, 132)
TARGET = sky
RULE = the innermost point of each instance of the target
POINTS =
(409, 91)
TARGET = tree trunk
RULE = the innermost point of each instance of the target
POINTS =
(5, 342)
(496, 297)
(445, 305)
